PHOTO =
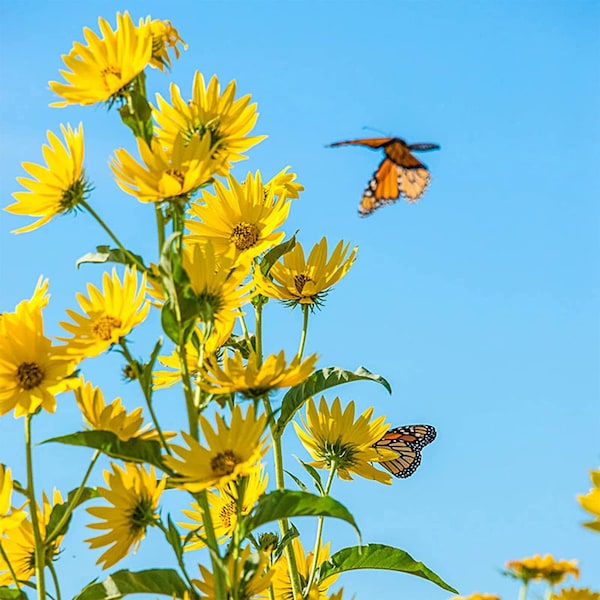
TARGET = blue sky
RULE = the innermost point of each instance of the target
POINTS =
(479, 304)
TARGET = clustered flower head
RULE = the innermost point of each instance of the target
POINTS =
(335, 440)
(101, 70)
(33, 370)
(218, 118)
(108, 314)
(18, 543)
(231, 451)
(537, 567)
(57, 188)
(133, 494)
(297, 280)
(252, 379)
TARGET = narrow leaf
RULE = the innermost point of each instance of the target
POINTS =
(12, 594)
(273, 255)
(282, 504)
(165, 582)
(106, 254)
(318, 382)
(316, 477)
(59, 509)
(379, 556)
(133, 450)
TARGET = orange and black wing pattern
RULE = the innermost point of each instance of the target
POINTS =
(400, 174)
(407, 441)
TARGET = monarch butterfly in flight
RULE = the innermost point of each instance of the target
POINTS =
(398, 174)
(407, 441)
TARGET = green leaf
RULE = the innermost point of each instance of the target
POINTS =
(298, 481)
(147, 368)
(318, 382)
(378, 556)
(7, 593)
(133, 450)
(273, 255)
(316, 477)
(282, 504)
(165, 582)
(59, 509)
(174, 538)
(106, 254)
(243, 345)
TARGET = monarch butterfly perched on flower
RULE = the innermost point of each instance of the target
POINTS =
(399, 173)
(407, 441)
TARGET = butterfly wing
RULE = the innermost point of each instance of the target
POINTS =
(382, 189)
(369, 142)
(407, 441)
(389, 183)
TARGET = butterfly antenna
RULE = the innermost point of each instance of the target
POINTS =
(375, 130)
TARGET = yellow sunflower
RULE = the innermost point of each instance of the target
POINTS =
(241, 494)
(537, 567)
(334, 439)
(219, 334)
(301, 281)
(108, 315)
(133, 495)
(576, 594)
(113, 417)
(32, 370)
(242, 218)
(247, 579)
(101, 70)
(218, 282)
(164, 38)
(19, 544)
(166, 173)
(250, 379)
(284, 184)
(282, 584)
(57, 188)
(224, 121)
(233, 451)
(9, 517)
(591, 501)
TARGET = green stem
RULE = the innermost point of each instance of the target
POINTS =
(10, 567)
(160, 227)
(305, 311)
(40, 550)
(74, 503)
(278, 459)
(179, 558)
(211, 542)
(188, 392)
(317, 549)
(523, 591)
(146, 393)
(114, 238)
(258, 316)
(54, 579)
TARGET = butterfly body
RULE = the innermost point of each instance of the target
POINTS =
(407, 441)
(400, 173)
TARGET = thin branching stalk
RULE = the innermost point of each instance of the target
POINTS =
(54, 579)
(305, 312)
(73, 504)
(179, 558)
(147, 393)
(211, 541)
(40, 550)
(319, 536)
(133, 260)
(10, 567)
